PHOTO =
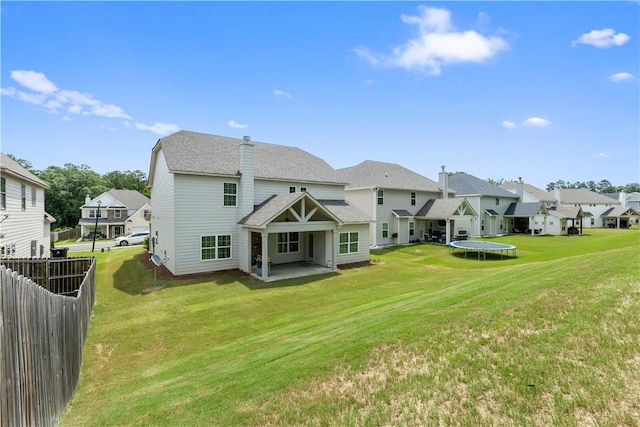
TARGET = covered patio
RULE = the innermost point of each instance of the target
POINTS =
(444, 220)
(292, 270)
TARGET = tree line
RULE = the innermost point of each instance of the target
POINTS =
(69, 186)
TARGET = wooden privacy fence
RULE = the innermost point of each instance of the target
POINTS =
(58, 275)
(42, 337)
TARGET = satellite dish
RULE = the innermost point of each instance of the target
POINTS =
(156, 260)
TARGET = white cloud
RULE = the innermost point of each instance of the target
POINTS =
(236, 125)
(621, 77)
(604, 38)
(537, 122)
(159, 128)
(40, 91)
(602, 156)
(508, 125)
(34, 81)
(437, 44)
(281, 94)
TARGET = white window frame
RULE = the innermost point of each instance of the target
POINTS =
(385, 230)
(285, 243)
(412, 228)
(226, 194)
(352, 240)
(413, 198)
(380, 196)
(217, 247)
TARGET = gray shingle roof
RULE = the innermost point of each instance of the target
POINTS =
(346, 212)
(583, 196)
(465, 184)
(536, 192)
(371, 173)
(619, 211)
(11, 167)
(401, 213)
(440, 208)
(525, 209)
(130, 199)
(567, 212)
(200, 153)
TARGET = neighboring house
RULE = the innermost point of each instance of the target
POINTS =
(596, 207)
(565, 220)
(401, 202)
(221, 203)
(25, 227)
(529, 193)
(488, 200)
(624, 217)
(529, 218)
(118, 213)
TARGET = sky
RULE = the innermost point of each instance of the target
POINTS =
(545, 91)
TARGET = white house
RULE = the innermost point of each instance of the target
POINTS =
(118, 213)
(596, 207)
(406, 206)
(25, 227)
(221, 203)
(529, 193)
(488, 200)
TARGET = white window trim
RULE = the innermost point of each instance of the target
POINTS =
(383, 230)
(287, 243)
(348, 243)
(224, 194)
(216, 247)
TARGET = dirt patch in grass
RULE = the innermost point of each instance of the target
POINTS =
(354, 265)
(164, 273)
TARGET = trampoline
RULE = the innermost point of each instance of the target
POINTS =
(481, 248)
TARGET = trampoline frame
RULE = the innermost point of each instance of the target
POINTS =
(481, 248)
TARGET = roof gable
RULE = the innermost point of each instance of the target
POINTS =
(288, 207)
(371, 173)
(446, 208)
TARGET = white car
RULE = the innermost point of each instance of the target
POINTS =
(131, 239)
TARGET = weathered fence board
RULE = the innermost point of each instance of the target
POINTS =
(42, 337)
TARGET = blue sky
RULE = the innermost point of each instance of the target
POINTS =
(501, 90)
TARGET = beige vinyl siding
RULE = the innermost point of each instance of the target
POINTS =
(21, 227)
(265, 189)
(363, 246)
(163, 217)
(200, 211)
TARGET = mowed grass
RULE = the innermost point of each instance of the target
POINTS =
(419, 338)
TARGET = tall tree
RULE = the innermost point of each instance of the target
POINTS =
(68, 188)
(136, 180)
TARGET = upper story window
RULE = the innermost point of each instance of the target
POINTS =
(33, 196)
(23, 196)
(413, 198)
(3, 193)
(117, 213)
(93, 212)
(303, 189)
(497, 201)
(380, 196)
(230, 194)
(292, 189)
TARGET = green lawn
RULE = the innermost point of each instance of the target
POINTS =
(419, 338)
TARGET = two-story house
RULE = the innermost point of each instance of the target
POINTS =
(25, 227)
(406, 206)
(597, 208)
(488, 200)
(115, 213)
(221, 203)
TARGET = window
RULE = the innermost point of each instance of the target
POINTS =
(117, 213)
(215, 247)
(92, 213)
(230, 193)
(33, 196)
(482, 224)
(23, 196)
(288, 242)
(593, 221)
(497, 201)
(413, 198)
(303, 189)
(3, 193)
(501, 223)
(292, 189)
(385, 229)
(412, 228)
(349, 243)
(380, 196)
